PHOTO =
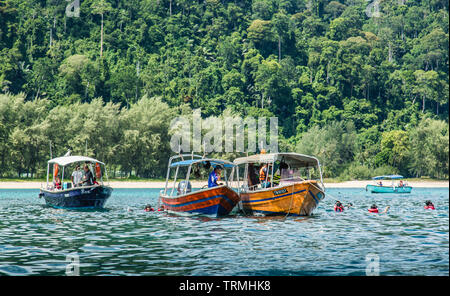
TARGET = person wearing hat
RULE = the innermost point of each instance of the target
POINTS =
(214, 176)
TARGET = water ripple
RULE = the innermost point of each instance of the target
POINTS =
(125, 240)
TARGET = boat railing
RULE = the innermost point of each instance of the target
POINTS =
(53, 189)
(280, 183)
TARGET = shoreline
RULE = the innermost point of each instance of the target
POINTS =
(197, 184)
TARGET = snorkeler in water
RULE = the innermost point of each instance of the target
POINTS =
(148, 208)
(429, 205)
(338, 207)
(374, 209)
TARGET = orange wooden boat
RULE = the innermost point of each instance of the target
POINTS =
(214, 201)
(284, 191)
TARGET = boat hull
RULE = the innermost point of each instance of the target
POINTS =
(388, 189)
(92, 197)
(298, 199)
(215, 201)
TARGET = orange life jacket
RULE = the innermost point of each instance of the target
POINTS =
(55, 170)
(98, 171)
(262, 175)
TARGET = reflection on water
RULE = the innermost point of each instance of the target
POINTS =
(125, 240)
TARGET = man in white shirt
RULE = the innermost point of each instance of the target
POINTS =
(76, 176)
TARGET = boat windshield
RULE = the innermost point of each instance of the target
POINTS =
(278, 173)
(188, 175)
(75, 174)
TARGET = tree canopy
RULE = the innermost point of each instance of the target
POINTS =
(369, 84)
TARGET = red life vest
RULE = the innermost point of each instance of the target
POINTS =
(338, 209)
(429, 207)
(373, 210)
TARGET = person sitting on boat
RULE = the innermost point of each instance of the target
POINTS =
(88, 178)
(400, 184)
(338, 207)
(57, 183)
(380, 183)
(262, 176)
(214, 176)
(429, 205)
(276, 178)
(76, 176)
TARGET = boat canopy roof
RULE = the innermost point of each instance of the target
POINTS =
(392, 177)
(65, 160)
(213, 162)
(291, 158)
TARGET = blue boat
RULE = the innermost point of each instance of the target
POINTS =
(400, 187)
(66, 195)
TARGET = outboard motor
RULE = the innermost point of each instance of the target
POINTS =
(182, 185)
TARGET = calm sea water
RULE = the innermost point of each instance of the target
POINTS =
(125, 240)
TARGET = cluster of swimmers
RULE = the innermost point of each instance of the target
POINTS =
(149, 208)
(338, 207)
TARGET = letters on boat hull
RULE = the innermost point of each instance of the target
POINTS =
(297, 199)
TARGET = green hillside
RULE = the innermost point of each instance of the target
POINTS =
(366, 93)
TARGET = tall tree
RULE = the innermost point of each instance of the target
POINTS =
(101, 7)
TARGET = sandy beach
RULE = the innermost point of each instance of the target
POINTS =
(159, 184)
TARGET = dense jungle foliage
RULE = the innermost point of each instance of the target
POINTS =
(363, 85)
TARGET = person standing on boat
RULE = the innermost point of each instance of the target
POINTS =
(76, 176)
(262, 176)
(214, 177)
(88, 178)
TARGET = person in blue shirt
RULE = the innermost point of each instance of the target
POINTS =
(214, 176)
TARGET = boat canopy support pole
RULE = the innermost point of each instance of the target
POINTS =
(174, 181)
(106, 175)
(48, 171)
(187, 178)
